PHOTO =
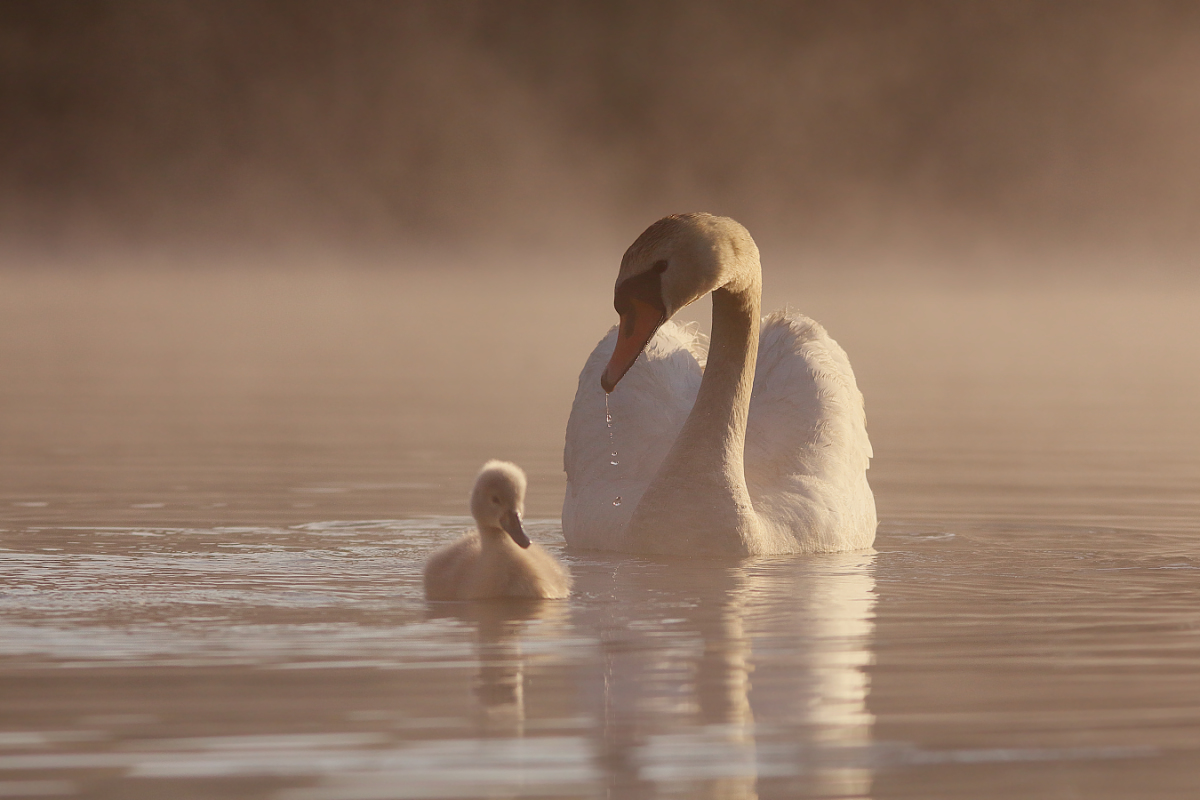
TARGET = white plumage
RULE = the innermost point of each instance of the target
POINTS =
(806, 449)
(656, 395)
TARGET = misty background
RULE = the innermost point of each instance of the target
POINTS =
(934, 128)
(319, 260)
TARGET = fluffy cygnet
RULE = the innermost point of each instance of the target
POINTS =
(497, 559)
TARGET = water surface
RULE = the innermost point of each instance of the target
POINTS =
(217, 493)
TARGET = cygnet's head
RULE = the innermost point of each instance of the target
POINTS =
(498, 500)
(675, 261)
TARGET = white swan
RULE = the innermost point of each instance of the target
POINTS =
(763, 450)
(497, 559)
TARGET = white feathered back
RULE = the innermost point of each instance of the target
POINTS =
(807, 449)
(806, 441)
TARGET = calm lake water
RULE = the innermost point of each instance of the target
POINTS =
(217, 490)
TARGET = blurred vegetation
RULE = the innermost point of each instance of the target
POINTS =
(425, 122)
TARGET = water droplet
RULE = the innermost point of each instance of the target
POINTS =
(617, 501)
(612, 443)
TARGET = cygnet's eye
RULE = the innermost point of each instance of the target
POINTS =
(495, 499)
(660, 266)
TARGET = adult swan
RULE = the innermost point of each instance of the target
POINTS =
(763, 450)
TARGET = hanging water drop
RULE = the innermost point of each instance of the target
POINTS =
(612, 444)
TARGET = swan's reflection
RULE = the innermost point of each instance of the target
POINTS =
(730, 681)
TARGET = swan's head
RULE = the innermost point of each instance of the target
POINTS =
(675, 262)
(498, 500)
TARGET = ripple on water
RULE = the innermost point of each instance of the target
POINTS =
(776, 677)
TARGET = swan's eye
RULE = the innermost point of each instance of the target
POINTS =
(660, 266)
(495, 499)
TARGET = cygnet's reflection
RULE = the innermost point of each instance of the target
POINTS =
(500, 628)
(730, 680)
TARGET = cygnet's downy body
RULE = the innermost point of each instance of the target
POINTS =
(497, 559)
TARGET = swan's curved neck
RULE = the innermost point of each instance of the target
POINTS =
(698, 501)
(715, 431)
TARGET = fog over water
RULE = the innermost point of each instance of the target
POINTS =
(277, 277)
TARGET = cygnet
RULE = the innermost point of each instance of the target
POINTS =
(497, 559)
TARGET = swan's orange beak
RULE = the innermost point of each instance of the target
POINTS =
(638, 324)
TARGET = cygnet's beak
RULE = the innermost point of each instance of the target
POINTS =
(511, 522)
(638, 324)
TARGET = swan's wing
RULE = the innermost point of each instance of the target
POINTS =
(648, 408)
(807, 449)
